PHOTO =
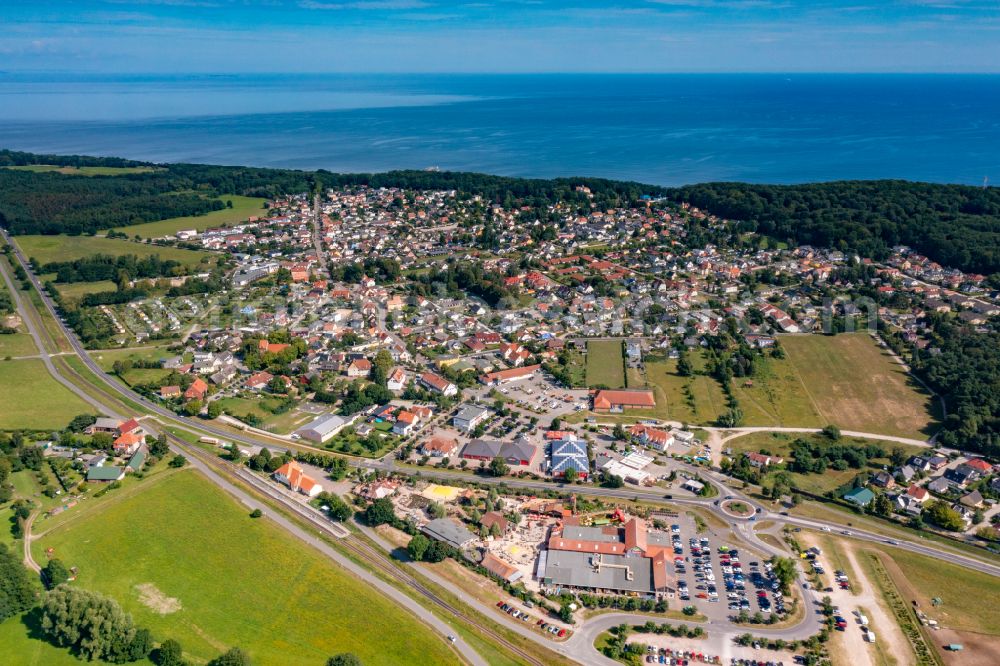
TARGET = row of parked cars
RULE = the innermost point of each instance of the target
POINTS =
(672, 657)
(518, 614)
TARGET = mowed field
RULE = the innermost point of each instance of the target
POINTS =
(45, 249)
(31, 398)
(186, 561)
(605, 364)
(852, 382)
(17, 344)
(243, 207)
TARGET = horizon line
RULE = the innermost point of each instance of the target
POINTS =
(516, 73)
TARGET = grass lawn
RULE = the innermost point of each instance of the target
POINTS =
(106, 357)
(74, 291)
(32, 399)
(577, 369)
(243, 406)
(605, 363)
(17, 344)
(185, 559)
(852, 382)
(45, 249)
(83, 171)
(243, 207)
(288, 422)
(138, 376)
(779, 444)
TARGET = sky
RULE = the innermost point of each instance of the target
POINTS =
(371, 36)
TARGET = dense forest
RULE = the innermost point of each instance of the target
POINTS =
(955, 225)
(966, 373)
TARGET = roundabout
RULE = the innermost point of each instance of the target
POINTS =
(737, 508)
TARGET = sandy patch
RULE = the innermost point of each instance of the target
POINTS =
(152, 598)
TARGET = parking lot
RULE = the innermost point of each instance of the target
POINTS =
(718, 578)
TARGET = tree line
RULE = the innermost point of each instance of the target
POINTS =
(955, 225)
(107, 267)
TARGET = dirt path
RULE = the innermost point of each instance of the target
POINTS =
(29, 561)
(891, 643)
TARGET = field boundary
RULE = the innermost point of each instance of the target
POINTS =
(905, 618)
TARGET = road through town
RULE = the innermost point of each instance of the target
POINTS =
(578, 647)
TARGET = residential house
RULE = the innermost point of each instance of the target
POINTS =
(405, 423)
(292, 475)
(761, 460)
(359, 367)
(397, 379)
(860, 496)
(883, 479)
(439, 447)
(197, 390)
(973, 500)
(491, 518)
(438, 384)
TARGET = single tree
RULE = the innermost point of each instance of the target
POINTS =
(169, 654)
(499, 467)
(54, 573)
(417, 547)
(232, 657)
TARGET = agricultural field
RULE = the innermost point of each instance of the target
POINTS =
(243, 207)
(605, 363)
(206, 574)
(779, 444)
(82, 171)
(852, 382)
(45, 249)
(32, 399)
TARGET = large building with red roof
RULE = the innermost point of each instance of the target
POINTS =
(627, 559)
(607, 400)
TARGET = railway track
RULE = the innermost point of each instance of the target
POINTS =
(377, 559)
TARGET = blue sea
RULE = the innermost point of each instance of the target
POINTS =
(661, 129)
